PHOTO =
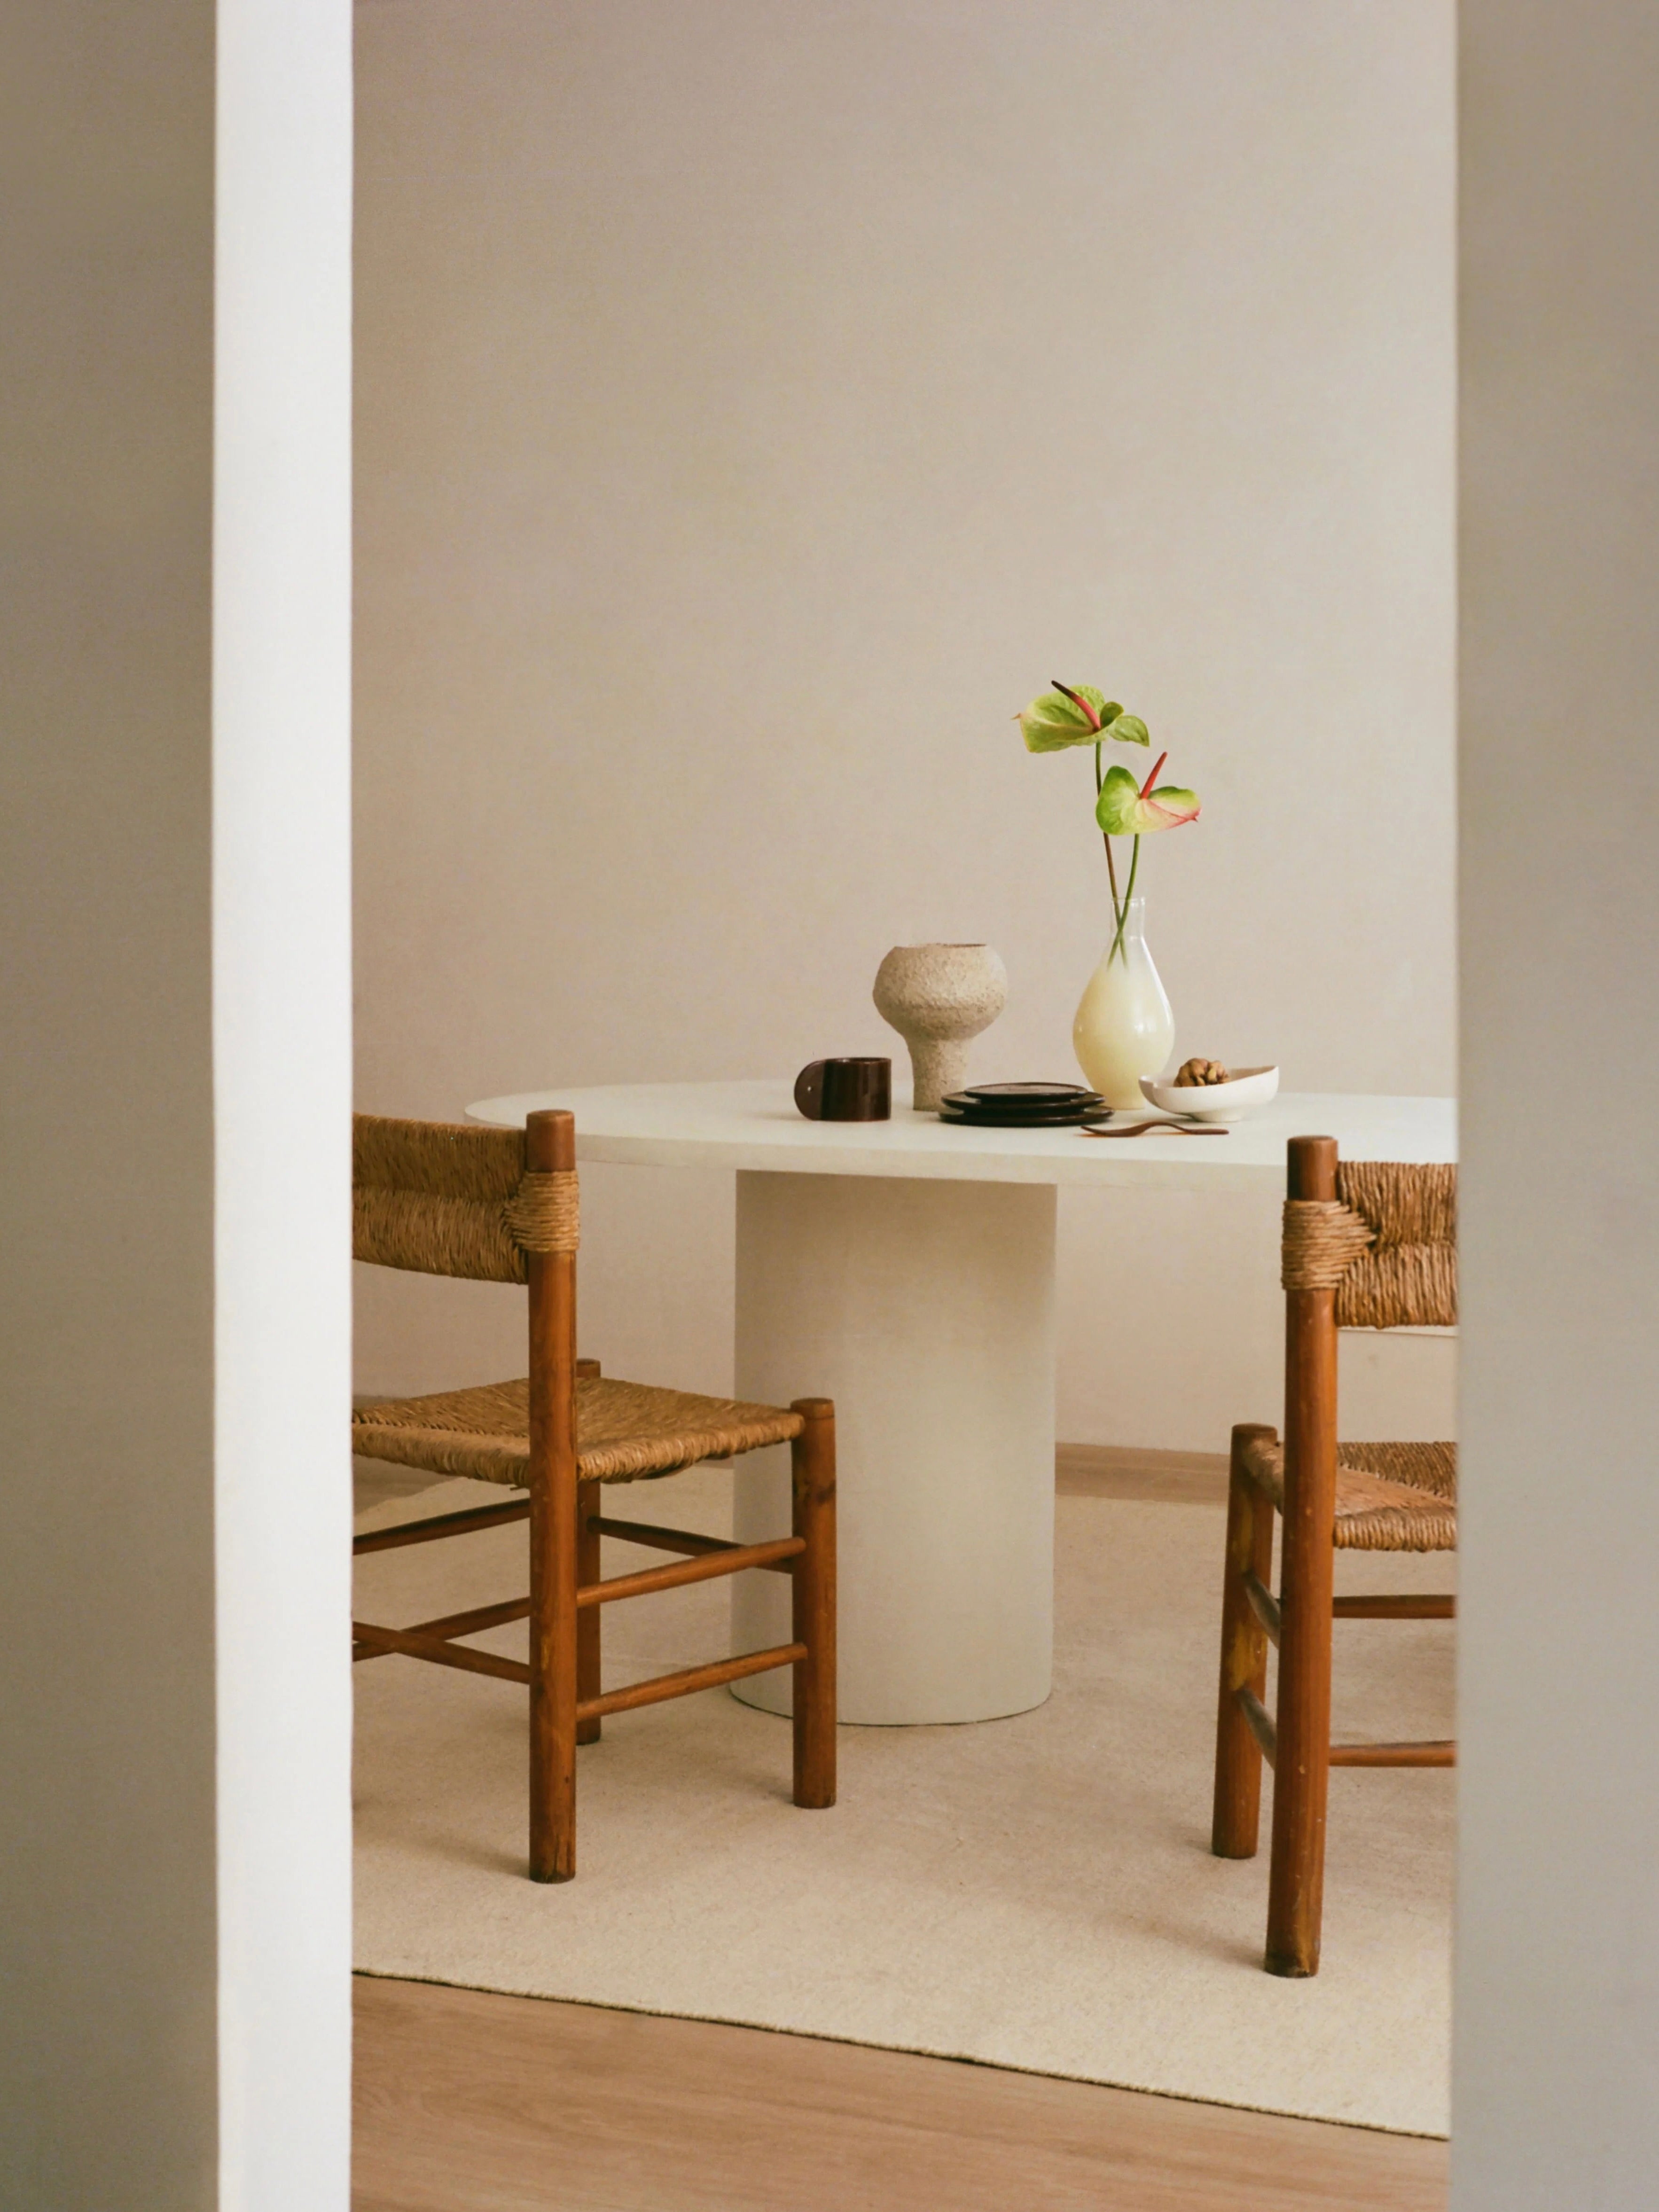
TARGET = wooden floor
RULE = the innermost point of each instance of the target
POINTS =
(470, 2102)
(1160, 1478)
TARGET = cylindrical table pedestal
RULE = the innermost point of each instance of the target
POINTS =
(926, 1309)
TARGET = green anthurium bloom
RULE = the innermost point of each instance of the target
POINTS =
(1126, 809)
(1077, 714)
(1058, 719)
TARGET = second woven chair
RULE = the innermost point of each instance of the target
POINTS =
(500, 1205)
(1367, 1245)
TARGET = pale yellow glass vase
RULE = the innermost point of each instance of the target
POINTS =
(1124, 1029)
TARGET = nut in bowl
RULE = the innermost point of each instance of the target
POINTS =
(1212, 1092)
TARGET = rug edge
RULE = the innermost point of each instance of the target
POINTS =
(910, 2049)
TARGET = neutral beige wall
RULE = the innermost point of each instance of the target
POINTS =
(1556, 2069)
(107, 2071)
(758, 402)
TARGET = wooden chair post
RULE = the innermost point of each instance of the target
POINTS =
(589, 1655)
(590, 1504)
(550, 1148)
(1238, 1812)
(1302, 1767)
(812, 1456)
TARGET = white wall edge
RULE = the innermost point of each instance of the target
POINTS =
(281, 650)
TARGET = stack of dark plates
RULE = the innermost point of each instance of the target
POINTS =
(1023, 1106)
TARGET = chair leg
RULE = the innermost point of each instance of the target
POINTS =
(553, 1669)
(588, 1504)
(1302, 1765)
(1237, 1811)
(813, 1484)
(1296, 1893)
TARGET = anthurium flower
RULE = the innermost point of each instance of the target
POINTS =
(1127, 810)
(1077, 714)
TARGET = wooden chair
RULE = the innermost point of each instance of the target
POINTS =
(500, 1206)
(1366, 1245)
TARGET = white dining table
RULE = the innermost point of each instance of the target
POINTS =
(906, 1269)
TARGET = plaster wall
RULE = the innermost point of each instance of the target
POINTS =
(758, 402)
(1556, 2067)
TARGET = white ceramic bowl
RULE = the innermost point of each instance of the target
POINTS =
(1214, 1101)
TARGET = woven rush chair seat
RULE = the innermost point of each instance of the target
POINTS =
(625, 1432)
(1389, 1497)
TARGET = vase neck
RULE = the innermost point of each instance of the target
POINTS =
(1132, 928)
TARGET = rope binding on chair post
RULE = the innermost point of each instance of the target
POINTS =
(544, 1214)
(1322, 1240)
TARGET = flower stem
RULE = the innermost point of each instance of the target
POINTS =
(1111, 865)
(1117, 951)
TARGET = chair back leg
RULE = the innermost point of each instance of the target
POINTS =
(1238, 1812)
(553, 1630)
(813, 1488)
(550, 1146)
(1302, 1762)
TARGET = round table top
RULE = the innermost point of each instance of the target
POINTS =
(756, 1126)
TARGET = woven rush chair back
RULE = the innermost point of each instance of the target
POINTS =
(1387, 1244)
(442, 1200)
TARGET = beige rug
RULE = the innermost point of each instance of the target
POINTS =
(1035, 1893)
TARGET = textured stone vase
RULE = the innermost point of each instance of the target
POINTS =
(939, 997)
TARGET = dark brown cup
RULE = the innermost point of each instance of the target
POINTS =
(845, 1091)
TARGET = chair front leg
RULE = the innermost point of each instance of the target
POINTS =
(813, 1486)
(589, 1505)
(1236, 1817)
